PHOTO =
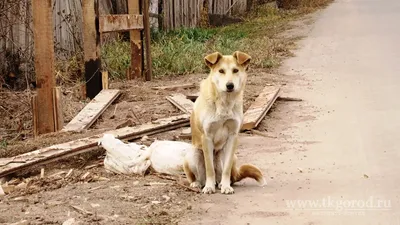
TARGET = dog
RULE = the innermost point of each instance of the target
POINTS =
(215, 123)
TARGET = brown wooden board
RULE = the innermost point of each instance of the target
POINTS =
(88, 115)
(260, 107)
(68, 149)
(114, 23)
(44, 64)
(181, 102)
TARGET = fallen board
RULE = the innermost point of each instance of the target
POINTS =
(92, 111)
(257, 111)
(174, 87)
(181, 102)
(61, 151)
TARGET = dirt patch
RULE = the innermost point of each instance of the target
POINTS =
(98, 197)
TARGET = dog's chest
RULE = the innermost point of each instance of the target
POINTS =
(221, 126)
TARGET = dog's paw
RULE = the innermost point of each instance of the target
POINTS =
(219, 185)
(208, 190)
(195, 184)
(227, 190)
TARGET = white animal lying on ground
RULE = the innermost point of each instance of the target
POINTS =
(163, 156)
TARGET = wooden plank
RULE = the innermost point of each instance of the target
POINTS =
(146, 17)
(177, 14)
(260, 107)
(44, 64)
(88, 115)
(68, 149)
(185, 21)
(181, 102)
(58, 112)
(174, 87)
(165, 13)
(91, 46)
(114, 23)
(136, 43)
(172, 14)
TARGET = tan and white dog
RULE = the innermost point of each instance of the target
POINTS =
(215, 123)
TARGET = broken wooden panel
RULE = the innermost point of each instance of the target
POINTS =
(181, 102)
(260, 107)
(115, 23)
(64, 150)
(88, 115)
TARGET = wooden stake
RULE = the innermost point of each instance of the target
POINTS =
(35, 116)
(44, 64)
(136, 44)
(104, 79)
(42, 173)
(57, 110)
(146, 20)
(91, 46)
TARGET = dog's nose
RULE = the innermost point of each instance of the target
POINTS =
(230, 86)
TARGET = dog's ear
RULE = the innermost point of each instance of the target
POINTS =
(242, 58)
(212, 59)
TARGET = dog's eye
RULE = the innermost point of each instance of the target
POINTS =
(235, 70)
(221, 71)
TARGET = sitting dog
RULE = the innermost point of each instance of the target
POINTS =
(215, 122)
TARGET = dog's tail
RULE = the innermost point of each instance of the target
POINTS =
(247, 171)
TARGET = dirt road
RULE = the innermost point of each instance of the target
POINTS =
(337, 151)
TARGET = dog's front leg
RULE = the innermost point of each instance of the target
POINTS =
(230, 149)
(208, 152)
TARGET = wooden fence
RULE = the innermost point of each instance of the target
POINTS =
(16, 30)
(190, 13)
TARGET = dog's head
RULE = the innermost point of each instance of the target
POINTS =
(228, 71)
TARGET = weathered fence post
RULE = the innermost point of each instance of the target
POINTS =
(146, 22)
(44, 66)
(91, 46)
(136, 44)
